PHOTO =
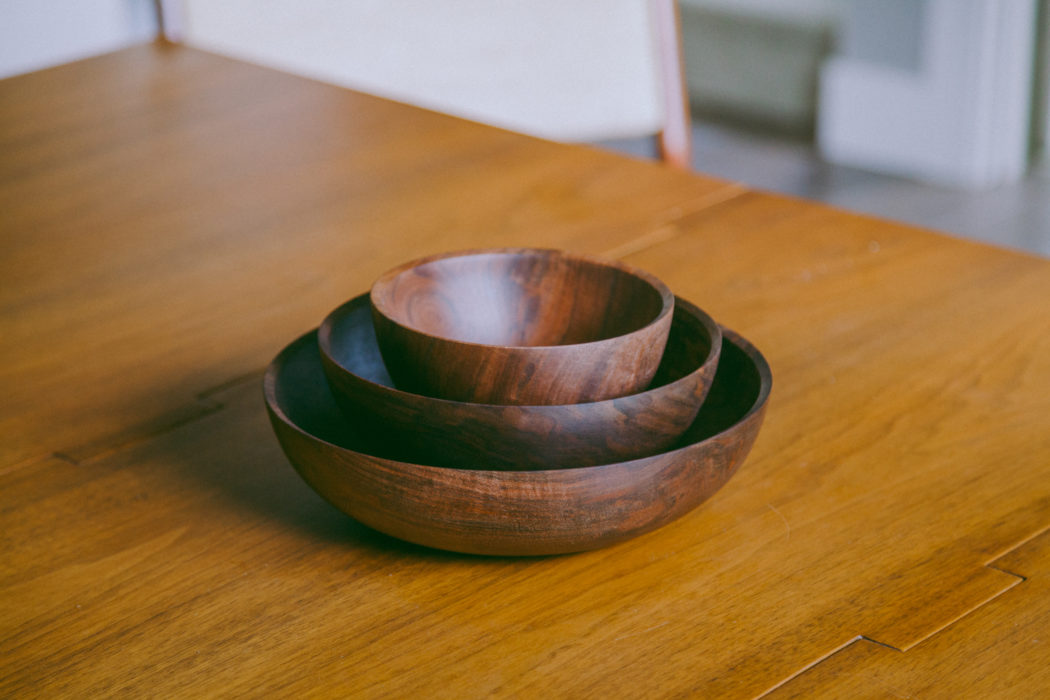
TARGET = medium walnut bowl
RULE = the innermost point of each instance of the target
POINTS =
(413, 427)
(521, 326)
(514, 512)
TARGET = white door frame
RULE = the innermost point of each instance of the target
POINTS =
(960, 119)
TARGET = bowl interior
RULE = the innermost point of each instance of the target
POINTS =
(519, 298)
(302, 394)
(353, 346)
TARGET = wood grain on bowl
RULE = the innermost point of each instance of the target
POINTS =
(521, 326)
(514, 512)
(413, 427)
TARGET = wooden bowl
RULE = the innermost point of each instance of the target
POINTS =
(514, 512)
(521, 326)
(412, 427)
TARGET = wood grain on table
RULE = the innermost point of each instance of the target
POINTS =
(896, 496)
(998, 651)
(165, 229)
(908, 425)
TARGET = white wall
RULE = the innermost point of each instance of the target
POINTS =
(36, 34)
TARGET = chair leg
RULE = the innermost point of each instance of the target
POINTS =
(675, 137)
(169, 20)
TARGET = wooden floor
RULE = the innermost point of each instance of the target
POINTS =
(1014, 216)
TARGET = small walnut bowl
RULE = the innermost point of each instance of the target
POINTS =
(413, 427)
(521, 326)
(551, 511)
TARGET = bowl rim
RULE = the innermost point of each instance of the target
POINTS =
(765, 376)
(667, 298)
(327, 328)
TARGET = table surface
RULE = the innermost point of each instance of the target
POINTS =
(171, 219)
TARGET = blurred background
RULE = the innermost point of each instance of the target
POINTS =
(932, 112)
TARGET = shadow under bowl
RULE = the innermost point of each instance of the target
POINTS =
(415, 428)
(521, 326)
(514, 512)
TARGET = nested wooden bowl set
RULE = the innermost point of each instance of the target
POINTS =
(517, 402)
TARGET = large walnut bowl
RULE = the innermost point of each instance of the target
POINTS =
(416, 428)
(514, 512)
(521, 326)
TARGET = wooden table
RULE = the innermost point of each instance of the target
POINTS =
(170, 219)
